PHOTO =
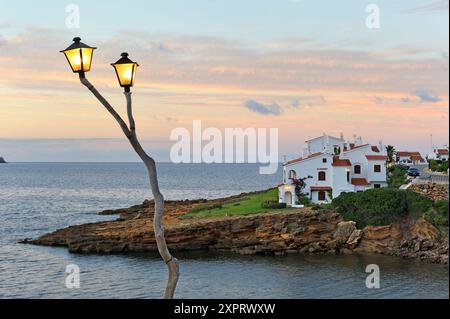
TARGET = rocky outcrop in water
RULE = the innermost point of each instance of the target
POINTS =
(406, 238)
(2, 160)
(278, 232)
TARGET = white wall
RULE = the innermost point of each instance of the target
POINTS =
(315, 198)
(404, 159)
(377, 177)
(340, 183)
(319, 144)
(358, 156)
(312, 167)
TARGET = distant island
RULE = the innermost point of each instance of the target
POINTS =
(2, 160)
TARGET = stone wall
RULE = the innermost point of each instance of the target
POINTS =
(432, 190)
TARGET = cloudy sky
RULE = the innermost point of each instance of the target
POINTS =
(303, 66)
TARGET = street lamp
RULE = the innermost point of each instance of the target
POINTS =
(79, 56)
(125, 71)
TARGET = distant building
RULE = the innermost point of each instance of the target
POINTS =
(335, 166)
(439, 154)
(409, 158)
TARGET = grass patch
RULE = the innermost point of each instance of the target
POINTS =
(248, 205)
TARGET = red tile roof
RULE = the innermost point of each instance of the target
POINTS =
(360, 182)
(353, 147)
(376, 157)
(302, 159)
(321, 188)
(414, 156)
(406, 154)
(442, 151)
(417, 158)
(341, 162)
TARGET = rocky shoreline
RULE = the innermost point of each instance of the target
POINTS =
(278, 232)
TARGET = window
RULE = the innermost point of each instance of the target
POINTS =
(357, 169)
(324, 160)
(348, 176)
(377, 168)
(337, 150)
(292, 174)
(322, 176)
(322, 196)
(377, 186)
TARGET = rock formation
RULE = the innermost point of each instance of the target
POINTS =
(279, 232)
(2, 160)
(432, 190)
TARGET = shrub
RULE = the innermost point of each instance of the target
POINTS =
(273, 205)
(441, 207)
(438, 215)
(203, 207)
(438, 166)
(417, 204)
(372, 207)
(436, 219)
(397, 176)
(303, 200)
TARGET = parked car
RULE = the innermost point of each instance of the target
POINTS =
(414, 172)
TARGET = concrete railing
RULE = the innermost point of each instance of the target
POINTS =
(438, 179)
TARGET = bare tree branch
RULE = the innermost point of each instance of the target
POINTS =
(171, 262)
(130, 113)
(108, 106)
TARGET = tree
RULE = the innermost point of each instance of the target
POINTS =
(79, 55)
(300, 185)
(390, 153)
(130, 132)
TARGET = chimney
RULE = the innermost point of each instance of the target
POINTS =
(381, 147)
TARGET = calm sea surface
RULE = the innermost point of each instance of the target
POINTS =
(37, 198)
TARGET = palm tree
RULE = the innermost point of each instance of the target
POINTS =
(390, 153)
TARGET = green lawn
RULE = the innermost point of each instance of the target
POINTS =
(247, 205)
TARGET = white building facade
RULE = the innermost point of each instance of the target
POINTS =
(333, 166)
(409, 158)
(439, 154)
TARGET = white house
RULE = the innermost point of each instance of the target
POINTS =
(409, 158)
(440, 154)
(335, 166)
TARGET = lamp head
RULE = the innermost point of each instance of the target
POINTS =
(79, 56)
(125, 71)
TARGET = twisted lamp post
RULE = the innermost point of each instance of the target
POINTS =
(79, 56)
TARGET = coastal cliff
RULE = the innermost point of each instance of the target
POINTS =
(2, 160)
(278, 232)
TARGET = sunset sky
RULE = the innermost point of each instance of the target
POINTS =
(303, 66)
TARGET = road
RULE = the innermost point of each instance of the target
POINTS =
(436, 178)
